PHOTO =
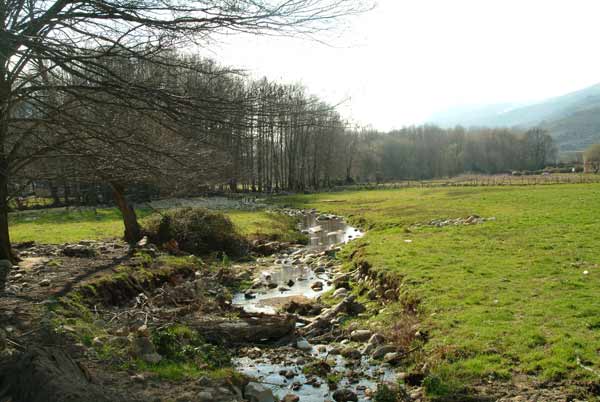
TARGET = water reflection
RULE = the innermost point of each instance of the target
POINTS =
(327, 230)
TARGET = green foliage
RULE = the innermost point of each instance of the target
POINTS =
(180, 344)
(515, 295)
(196, 230)
(333, 379)
(385, 394)
(435, 387)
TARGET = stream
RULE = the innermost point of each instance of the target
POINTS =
(302, 275)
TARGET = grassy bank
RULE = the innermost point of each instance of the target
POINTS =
(513, 296)
(54, 226)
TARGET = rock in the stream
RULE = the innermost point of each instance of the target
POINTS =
(376, 339)
(360, 335)
(391, 357)
(381, 351)
(255, 392)
(351, 353)
(303, 308)
(290, 398)
(289, 374)
(345, 395)
(318, 285)
(303, 344)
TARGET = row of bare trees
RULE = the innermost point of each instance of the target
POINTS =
(96, 89)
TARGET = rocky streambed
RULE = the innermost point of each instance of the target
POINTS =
(97, 307)
(323, 360)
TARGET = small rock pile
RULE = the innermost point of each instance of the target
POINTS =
(470, 220)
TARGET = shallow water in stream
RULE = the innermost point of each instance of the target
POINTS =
(267, 365)
(323, 231)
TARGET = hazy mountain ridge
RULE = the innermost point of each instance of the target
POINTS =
(572, 119)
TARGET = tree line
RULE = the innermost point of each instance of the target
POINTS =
(98, 90)
(102, 99)
(426, 152)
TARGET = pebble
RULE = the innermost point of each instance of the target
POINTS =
(303, 344)
(360, 335)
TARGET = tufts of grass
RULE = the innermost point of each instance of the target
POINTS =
(267, 225)
(181, 344)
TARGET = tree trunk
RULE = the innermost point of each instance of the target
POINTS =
(254, 328)
(67, 193)
(5, 248)
(54, 194)
(133, 233)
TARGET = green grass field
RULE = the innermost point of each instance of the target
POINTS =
(55, 226)
(518, 297)
(503, 298)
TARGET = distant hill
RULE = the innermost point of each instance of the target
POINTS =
(572, 119)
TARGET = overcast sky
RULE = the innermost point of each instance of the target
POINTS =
(401, 62)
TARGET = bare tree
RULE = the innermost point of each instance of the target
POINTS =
(43, 41)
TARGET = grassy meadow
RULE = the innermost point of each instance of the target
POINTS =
(55, 226)
(517, 296)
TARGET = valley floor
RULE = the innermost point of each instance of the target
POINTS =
(489, 293)
(509, 294)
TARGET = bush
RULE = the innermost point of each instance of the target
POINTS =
(197, 231)
(385, 394)
(179, 344)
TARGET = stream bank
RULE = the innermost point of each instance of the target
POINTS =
(152, 326)
(327, 360)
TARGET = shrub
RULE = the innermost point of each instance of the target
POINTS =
(385, 394)
(179, 344)
(197, 231)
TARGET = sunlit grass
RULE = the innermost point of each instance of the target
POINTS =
(514, 295)
(55, 226)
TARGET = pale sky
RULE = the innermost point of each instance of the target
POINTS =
(406, 59)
